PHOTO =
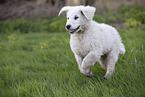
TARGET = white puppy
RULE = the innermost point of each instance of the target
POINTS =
(91, 41)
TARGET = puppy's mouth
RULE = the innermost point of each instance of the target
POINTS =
(72, 31)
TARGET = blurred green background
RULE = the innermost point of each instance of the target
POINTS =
(36, 59)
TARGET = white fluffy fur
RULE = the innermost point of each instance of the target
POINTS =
(92, 42)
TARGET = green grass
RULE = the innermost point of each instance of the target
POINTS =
(36, 59)
(43, 65)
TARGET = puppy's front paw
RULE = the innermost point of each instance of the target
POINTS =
(104, 78)
(91, 74)
(87, 72)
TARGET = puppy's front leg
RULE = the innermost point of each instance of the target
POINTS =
(88, 62)
(79, 60)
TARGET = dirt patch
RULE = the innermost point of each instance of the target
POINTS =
(27, 9)
(11, 9)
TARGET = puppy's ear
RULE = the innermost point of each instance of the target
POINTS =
(66, 8)
(88, 12)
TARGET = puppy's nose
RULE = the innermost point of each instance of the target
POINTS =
(68, 27)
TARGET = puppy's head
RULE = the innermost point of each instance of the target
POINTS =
(77, 17)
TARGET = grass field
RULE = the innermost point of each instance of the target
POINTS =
(43, 65)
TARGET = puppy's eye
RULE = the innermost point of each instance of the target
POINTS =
(76, 17)
(68, 18)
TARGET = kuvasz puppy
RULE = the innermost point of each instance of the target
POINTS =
(92, 42)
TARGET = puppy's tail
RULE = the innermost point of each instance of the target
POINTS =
(122, 48)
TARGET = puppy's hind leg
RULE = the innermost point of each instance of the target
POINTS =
(112, 58)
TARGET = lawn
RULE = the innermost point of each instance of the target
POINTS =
(36, 59)
(43, 65)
